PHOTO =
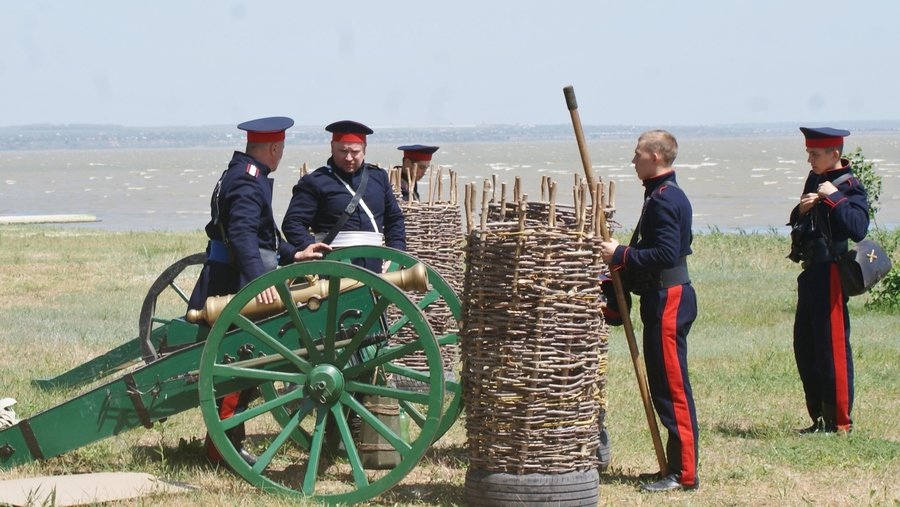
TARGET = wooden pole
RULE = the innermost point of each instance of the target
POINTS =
(569, 93)
(454, 193)
(467, 204)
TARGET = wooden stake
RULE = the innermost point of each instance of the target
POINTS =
(484, 208)
(469, 192)
(569, 93)
(454, 193)
(553, 204)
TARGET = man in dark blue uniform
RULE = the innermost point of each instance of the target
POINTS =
(833, 208)
(347, 201)
(416, 161)
(656, 269)
(244, 241)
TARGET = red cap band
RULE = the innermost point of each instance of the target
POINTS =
(417, 155)
(824, 142)
(348, 137)
(265, 137)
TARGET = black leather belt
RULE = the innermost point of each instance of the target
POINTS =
(642, 281)
(677, 275)
(219, 252)
(816, 251)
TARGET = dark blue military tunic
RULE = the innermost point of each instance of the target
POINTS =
(242, 232)
(667, 313)
(319, 200)
(822, 324)
(243, 241)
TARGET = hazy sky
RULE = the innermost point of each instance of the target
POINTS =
(462, 62)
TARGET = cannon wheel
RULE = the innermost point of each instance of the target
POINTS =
(330, 386)
(166, 280)
(440, 291)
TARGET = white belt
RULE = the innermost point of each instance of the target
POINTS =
(354, 238)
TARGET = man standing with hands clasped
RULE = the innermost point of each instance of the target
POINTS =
(833, 208)
(656, 269)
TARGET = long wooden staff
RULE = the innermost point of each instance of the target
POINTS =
(569, 93)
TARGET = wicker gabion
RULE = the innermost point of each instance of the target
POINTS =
(533, 343)
(434, 234)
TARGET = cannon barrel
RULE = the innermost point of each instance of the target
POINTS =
(413, 278)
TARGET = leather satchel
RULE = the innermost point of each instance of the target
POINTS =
(862, 267)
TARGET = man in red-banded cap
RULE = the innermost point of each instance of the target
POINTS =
(347, 201)
(244, 242)
(416, 161)
(832, 209)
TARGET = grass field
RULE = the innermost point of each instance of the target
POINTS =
(68, 295)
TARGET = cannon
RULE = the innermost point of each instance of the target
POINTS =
(314, 361)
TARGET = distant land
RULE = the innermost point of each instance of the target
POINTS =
(77, 137)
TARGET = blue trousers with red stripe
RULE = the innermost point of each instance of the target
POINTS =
(667, 315)
(822, 346)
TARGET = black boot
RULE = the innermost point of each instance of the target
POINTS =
(829, 415)
(671, 482)
(817, 426)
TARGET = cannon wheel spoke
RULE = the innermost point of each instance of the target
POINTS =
(440, 291)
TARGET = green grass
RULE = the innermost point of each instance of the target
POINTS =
(68, 295)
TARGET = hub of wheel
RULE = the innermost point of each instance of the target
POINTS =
(325, 384)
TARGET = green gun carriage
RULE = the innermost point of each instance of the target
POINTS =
(313, 361)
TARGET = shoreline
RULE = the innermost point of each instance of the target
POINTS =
(734, 184)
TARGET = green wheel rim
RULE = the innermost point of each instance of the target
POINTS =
(439, 290)
(167, 280)
(330, 386)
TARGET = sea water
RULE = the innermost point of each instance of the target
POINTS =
(747, 183)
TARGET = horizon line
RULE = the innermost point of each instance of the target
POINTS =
(44, 125)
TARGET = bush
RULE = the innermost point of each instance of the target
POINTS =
(864, 171)
(886, 294)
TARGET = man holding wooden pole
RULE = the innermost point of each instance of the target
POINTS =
(656, 270)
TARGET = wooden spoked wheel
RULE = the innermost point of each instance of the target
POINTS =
(168, 280)
(325, 350)
(439, 293)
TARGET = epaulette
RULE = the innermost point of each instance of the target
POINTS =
(252, 170)
(670, 183)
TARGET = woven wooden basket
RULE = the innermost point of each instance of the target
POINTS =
(534, 342)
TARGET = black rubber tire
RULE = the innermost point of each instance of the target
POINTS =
(573, 489)
(604, 451)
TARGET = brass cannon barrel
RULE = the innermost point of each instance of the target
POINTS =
(413, 278)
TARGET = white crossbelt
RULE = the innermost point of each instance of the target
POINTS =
(362, 203)
(354, 238)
